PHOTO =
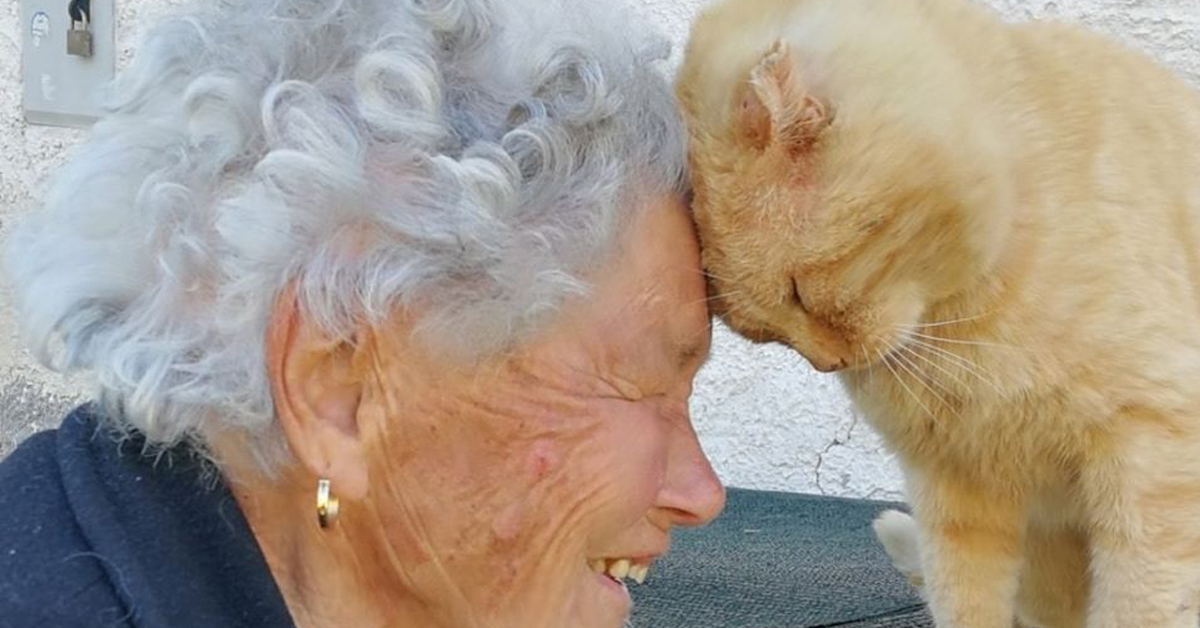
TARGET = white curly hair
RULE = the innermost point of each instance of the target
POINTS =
(474, 157)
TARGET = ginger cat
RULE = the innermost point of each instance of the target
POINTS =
(990, 232)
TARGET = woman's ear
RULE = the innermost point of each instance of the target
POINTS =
(316, 391)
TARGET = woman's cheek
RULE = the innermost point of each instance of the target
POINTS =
(619, 470)
(639, 446)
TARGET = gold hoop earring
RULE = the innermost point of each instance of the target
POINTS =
(327, 505)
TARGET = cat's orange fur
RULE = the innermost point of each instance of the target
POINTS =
(991, 231)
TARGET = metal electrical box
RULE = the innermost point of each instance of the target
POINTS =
(65, 61)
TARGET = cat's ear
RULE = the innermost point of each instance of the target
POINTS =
(775, 107)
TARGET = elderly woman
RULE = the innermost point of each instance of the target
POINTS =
(394, 308)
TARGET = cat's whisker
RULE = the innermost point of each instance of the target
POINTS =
(955, 358)
(907, 364)
(907, 348)
(862, 348)
(974, 343)
(737, 309)
(725, 295)
(951, 322)
(900, 380)
(910, 356)
(711, 275)
(962, 362)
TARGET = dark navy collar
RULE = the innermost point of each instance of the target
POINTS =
(170, 535)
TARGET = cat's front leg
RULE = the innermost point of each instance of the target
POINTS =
(1145, 532)
(1054, 578)
(1135, 584)
(971, 552)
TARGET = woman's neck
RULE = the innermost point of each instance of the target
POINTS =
(329, 578)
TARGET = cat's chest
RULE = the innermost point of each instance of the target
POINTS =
(1003, 431)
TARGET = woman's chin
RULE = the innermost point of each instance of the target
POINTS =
(617, 591)
(607, 602)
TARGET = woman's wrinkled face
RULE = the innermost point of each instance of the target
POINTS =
(520, 493)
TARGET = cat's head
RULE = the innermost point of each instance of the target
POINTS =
(832, 215)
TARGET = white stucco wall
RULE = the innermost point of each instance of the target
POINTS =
(766, 419)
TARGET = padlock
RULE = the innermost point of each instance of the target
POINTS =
(79, 39)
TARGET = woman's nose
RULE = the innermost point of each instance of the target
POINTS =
(692, 494)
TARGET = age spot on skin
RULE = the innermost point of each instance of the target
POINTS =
(507, 524)
(543, 458)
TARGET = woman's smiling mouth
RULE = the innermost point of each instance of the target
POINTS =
(619, 569)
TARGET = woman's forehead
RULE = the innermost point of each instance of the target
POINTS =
(655, 292)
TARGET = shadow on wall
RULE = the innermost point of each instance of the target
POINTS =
(26, 407)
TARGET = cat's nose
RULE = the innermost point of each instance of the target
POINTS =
(828, 365)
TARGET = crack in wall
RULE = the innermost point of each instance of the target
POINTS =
(836, 442)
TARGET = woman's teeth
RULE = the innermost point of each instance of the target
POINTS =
(619, 569)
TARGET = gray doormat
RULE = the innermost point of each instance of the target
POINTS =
(779, 560)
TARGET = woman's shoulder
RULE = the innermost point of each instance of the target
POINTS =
(48, 573)
(93, 524)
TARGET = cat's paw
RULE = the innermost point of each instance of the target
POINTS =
(897, 532)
